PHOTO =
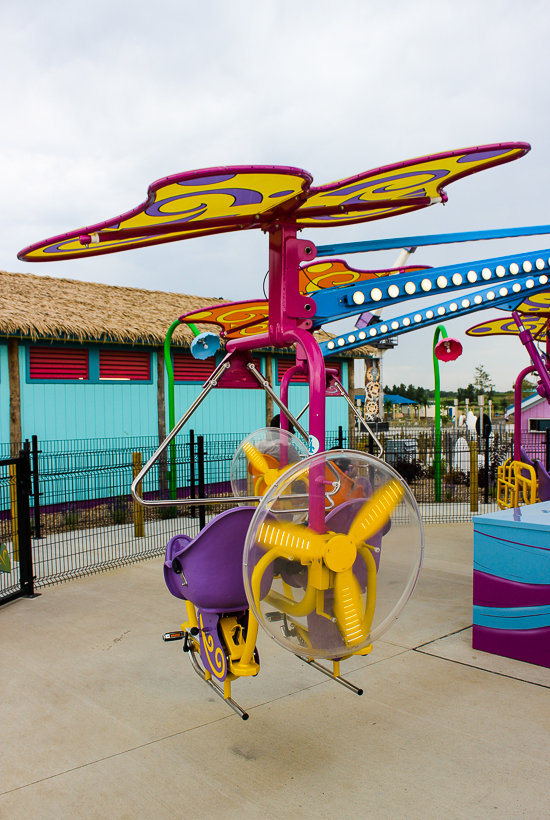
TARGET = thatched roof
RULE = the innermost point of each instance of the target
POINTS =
(44, 307)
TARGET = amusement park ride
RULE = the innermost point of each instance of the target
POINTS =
(323, 548)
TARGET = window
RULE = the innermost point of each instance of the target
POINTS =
(538, 425)
(62, 363)
(189, 369)
(283, 365)
(124, 365)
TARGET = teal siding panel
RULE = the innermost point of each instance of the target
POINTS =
(223, 411)
(69, 411)
(4, 395)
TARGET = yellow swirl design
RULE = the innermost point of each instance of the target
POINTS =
(217, 664)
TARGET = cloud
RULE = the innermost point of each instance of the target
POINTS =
(101, 100)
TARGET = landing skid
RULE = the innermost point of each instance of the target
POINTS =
(329, 674)
(189, 646)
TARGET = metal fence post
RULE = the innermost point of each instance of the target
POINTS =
(473, 476)
(13, 511)
(23, 489)
(139, 524)
(200, 454)
(547, 448)
(340, 438)
(192, 469)
(36, 488)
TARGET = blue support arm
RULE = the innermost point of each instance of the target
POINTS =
(504, 296)
(430, 239)
(338, 303)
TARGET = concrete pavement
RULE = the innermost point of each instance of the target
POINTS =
(103, 720)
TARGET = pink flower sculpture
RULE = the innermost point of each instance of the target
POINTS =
(447, 350)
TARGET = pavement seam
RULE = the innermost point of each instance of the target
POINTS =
(420, 649)
(190, 729)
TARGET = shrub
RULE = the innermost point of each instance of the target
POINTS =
(119, 509)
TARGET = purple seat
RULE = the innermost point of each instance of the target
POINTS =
(212, 563)
(544, 482)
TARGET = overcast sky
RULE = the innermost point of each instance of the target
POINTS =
(101, 99)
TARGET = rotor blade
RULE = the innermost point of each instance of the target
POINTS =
(256, 459)
(296, 542)
(376, 512)
(347, 607)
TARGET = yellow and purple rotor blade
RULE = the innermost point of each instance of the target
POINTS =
(336, 273)
(399, 188)
(507, 326)
(502, 296)
(195, 203)
(338, 303)
(232, 198)
(237, 319)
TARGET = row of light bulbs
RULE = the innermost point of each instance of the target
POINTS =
(456, 279)
(441, 310)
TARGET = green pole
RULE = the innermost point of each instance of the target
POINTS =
(439, 331)
(172, 478)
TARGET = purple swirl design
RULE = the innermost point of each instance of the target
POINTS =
(482, 155)
(208, 180)
(241, 196)
(281, 193)
(364, 186)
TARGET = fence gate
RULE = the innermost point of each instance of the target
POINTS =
(16, 570)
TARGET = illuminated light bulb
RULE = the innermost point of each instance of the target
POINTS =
(442, 282)
(514, 268)
(471, 276)
(362, 335)
(358, 297)
(351, 338)
(376, 294)
(543, 279)
(491, 295)
(341, 342)
(394, 325)
(457, 279)
(453, 306)
(426, 285)
(500, 271)
(406, 321)
(478, 300)
(393, 291)
(527, 266)
(383, 328)
(516, 288)
(417, 317)
(539, 264)
(486, 273)
(410, 288)
(530, 283)
(429, 314)
(372, 331)
(503, 292)
(441, 310)
(465, 303)
(330, 345)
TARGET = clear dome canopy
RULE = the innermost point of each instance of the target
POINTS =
(261, 459)
(330, 594)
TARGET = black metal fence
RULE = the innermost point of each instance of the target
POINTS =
(83, 519)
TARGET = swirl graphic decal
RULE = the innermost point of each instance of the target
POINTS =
(213, 655)
(507, 327)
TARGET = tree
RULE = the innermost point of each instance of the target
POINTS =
(464, 393)
(482, 382)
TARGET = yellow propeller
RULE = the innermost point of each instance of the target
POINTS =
(267, 475)
(337, 553)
